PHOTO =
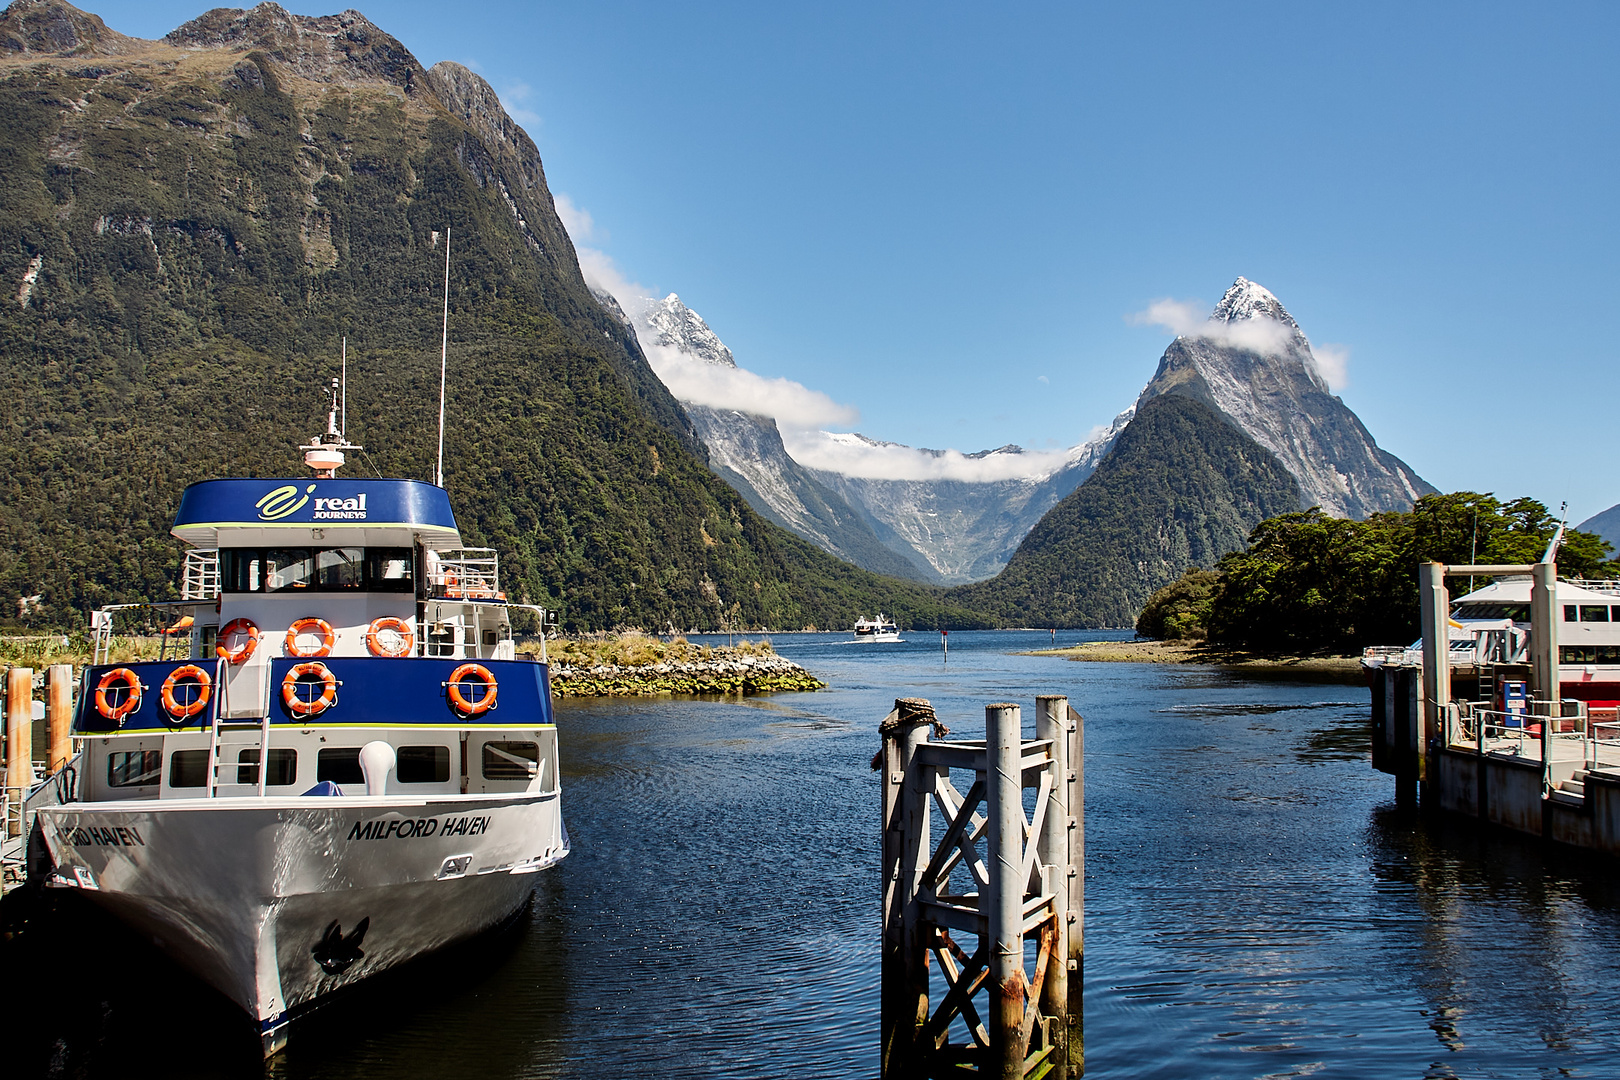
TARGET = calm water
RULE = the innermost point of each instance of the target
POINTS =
(1255, 905)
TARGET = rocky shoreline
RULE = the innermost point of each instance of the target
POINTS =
(725, 672)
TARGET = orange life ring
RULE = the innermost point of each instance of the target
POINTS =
(407, 636)
(245, 650)
(186, 711)
(459, 701)
(131, 685)
(297, 705)
(311, 623)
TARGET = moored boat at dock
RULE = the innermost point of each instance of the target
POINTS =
(348, 767)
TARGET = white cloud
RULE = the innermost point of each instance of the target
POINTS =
(1333, 363)
(1186, 318)
(576, 219)
(854, 455)
(512, 99)
(791, 404)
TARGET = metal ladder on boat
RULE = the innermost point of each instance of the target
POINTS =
(218, 725)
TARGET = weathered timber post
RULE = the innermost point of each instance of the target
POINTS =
(1016, 876)
(904, 968)
(1435, 619)
(59, 715)
(1063, 853)
(1004, 914)
(19, 740)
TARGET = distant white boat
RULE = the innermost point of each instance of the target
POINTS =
(881, 628)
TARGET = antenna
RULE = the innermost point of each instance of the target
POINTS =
(444, 352)
(343, 428)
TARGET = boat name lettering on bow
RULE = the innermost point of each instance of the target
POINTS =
(102, 836)
(417, 828)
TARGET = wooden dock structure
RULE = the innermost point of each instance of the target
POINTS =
(1012, 878)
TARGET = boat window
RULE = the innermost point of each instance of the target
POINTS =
(188, 768)
(1488, 610)
(511, 760)
(240, 570)
(281, 767)
(1589, 654)
(1594, 613)
(422, 764)
(339, 764)
(1569, 612)
(134, 768)
(341, 568)
(389, 569)
(288, 568)
(325, 569)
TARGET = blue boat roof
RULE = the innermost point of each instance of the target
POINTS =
(279, 510)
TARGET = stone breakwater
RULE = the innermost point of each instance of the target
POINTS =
(719, 674)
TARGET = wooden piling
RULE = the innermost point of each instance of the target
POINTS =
(904, 968)
(1004, 914)
(1019, 1024)
(19, 738)
(59, 715)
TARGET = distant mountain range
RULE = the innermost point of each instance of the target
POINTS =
(1606, 525)
(1250, 364)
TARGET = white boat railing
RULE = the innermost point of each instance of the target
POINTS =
(466, 574)
(199, 575)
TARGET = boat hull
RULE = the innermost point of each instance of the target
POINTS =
(278, 903)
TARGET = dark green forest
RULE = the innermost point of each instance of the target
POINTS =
(1306, 582)
(185, 243)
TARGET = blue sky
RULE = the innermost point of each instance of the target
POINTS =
(943, 215)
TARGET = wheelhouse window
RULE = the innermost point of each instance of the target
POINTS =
(511, 760)
(134, 768)
(334, 569)
(1594, 613)
(1570, 612)
(281, 767)
(422, 764)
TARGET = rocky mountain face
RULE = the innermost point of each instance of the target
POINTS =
(1253, 364)
(1181, 487)
(189, 227)
(746, 450)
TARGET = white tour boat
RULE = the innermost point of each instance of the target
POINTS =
(881, 628)
(348, 767)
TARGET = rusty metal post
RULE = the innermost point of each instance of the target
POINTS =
(906, 847)
(1052, 725)
(1004, 911)
(19, 737)
(59, 715)
(1075, 760)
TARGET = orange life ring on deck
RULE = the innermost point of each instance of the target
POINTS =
(240, 654)
(407, 636)
(186, 711)
(131, 685)
(297, 705)
(311, 623)
(459, 701)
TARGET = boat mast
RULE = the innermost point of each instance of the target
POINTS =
(444, 352)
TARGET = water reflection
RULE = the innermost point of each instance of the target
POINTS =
(1255, 905)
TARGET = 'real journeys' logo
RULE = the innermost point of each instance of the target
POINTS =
(287, 500)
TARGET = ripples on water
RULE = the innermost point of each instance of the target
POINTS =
(1255, 905)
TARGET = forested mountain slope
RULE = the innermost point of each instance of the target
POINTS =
(187, 230)
(1181, 487)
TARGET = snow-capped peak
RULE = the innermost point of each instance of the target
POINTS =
(1247, 300)
(678, 327)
